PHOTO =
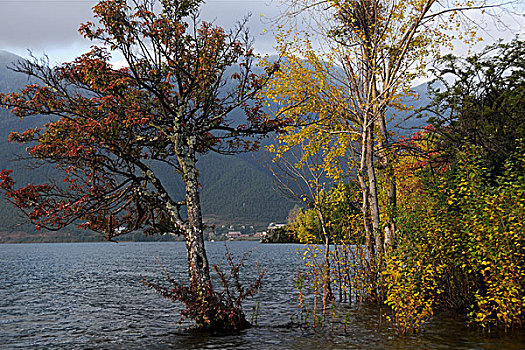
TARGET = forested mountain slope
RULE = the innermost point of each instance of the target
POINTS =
(235, 189)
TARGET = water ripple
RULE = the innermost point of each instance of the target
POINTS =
(90, 296)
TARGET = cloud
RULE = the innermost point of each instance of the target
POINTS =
(227, 13)
(41, 24)
(51, 26)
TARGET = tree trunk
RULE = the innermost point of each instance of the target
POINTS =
(361, 174)
(373, 196)
(364, 174)
(390, 229)
(198, 266)
(384, 147)
(211, 311)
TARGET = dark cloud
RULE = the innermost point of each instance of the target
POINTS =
(227, 13)
(51, 26)
(41, 24)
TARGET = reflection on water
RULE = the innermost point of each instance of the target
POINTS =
(89, 296)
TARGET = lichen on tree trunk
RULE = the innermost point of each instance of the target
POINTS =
(198, 266)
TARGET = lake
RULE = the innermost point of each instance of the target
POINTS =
(90, 296)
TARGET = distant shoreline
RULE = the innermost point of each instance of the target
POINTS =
(119, 241)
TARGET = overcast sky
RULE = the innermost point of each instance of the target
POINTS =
(50, 26)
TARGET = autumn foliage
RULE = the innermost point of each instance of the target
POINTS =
(461, 227)
(213, 310)
(111, 129)
(447, 230)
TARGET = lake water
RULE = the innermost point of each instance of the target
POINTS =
(89, 296)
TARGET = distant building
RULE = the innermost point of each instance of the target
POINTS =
(233, 234)
(274, 235)
(273, 226)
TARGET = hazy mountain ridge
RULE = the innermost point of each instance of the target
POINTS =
(234, 190)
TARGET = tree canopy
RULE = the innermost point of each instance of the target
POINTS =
(171, 102)
(371, 52)
(479, 102)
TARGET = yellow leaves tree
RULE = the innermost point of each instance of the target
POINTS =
(462, 247)
(339, 91)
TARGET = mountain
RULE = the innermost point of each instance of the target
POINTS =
(404, 123)
(235, 189)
